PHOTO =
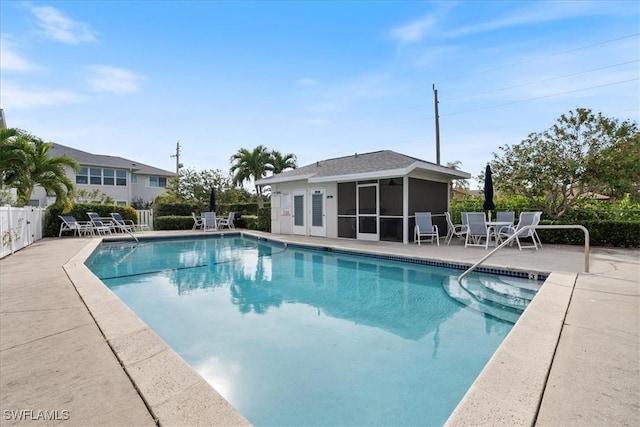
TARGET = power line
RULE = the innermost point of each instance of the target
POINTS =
(540, 97)
(541, 81)
(528, 61)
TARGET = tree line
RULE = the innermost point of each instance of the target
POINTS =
(581, 155)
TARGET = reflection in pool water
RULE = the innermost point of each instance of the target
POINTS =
(302, 337)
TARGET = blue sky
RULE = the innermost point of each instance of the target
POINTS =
(319, 79)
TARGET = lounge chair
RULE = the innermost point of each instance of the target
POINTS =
(526, 218)
(97, 225)
(209, 221)
(79, 228)
(458, 230)
(227, 222)
(125, 226)
(425, 228)
(478, 232)
(197, 222)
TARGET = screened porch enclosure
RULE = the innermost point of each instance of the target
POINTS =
(374, 209)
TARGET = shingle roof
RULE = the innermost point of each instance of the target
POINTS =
(377, 161)
(101, 160)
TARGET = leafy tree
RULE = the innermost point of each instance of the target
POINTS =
(280, 162)
(193, 186)
(575, 157)
(250, 166)
(35, 167)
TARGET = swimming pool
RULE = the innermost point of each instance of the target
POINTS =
(292, 336)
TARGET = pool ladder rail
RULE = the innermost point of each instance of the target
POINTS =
(536, 227)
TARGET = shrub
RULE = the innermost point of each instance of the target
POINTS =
(250, 222)
(173, 222)
(177, 209)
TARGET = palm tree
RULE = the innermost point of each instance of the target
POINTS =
(279, 162)
(33, 166)
(458, 184)
(250, 165)
(12, 156)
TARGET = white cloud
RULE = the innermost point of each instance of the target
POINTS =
(414, 31)
(15, 97)
(56, 26)
(11, 59)
(543, 11)
(307, 81)
(113, 79)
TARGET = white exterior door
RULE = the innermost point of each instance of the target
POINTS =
(317, 222)
(299, 213)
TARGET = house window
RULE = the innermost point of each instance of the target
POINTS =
(134, 178)
(108, 177)
(157, 181)
(121, 202)
(121, 178)
(82, 177)
(95, 176)
(100, 176)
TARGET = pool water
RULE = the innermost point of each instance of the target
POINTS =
(293, 336)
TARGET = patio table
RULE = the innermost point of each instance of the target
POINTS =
(495, 226)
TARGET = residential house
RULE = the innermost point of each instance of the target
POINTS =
(122, 179)
(370, 196)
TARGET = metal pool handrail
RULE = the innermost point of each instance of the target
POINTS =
(529, 227)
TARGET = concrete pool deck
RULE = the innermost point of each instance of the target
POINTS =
(70, 351)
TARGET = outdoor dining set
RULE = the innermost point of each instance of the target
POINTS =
(475, 230)
(208, 221)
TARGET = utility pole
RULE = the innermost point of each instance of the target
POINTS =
(177, 156)
(435, 101)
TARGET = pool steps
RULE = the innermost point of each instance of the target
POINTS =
(501, 297)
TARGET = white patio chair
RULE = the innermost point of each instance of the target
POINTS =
(506, 216)
(458, 230)
(69, 223)
(197, 222)
(478, 232)
(526, 218)
(463, 218)
(425, 228)
(122, 225)
(227, 222)
(209, 221)
(97, 224)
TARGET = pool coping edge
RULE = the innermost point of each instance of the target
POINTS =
(508, 390)
(165, 382)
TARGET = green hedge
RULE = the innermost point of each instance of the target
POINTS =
(52, 221)
(177, 216)
(622, 234)
(179, 209)
(173, 222)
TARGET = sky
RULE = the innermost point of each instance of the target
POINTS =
(319, 79)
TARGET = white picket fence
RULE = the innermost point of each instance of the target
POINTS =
(145, 219)
(20, 227)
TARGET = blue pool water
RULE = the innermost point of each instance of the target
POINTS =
(292, 336)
